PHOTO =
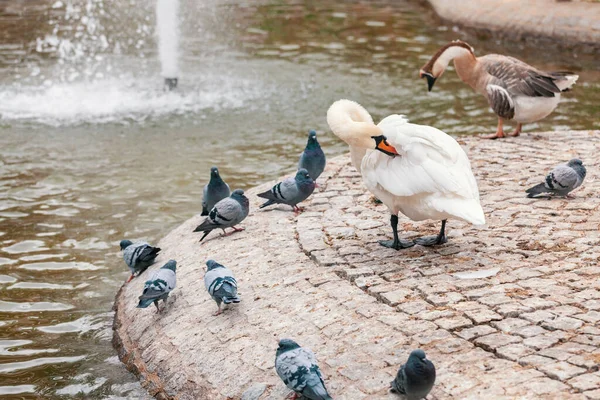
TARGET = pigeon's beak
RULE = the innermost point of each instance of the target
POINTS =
(430, 79)
(383, 146)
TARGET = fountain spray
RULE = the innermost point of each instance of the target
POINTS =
(168, 40)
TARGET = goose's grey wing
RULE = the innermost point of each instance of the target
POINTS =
(500, 101)
(519, 78)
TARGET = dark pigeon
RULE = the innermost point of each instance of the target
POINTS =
(138, 256)
(415, 378)
(159, 286)
(561, 180)
(297, 367)
(215, 191)
(312, 158)
(290, 191)
(226, 214)
(220, 284)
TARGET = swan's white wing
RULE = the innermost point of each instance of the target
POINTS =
(429, 161)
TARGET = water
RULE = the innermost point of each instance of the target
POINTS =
(93, 150)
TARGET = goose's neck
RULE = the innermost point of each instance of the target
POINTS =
(464, 62)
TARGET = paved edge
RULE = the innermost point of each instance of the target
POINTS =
(134, 354)
(568, 24)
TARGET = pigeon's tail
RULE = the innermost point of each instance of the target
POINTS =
(206, 225)
(229, 300)
(396, 387)
(269, 195)
(267, 203)
(398, 383)
(537, 189)
(149, 254)
(144, 302)
(228, 293)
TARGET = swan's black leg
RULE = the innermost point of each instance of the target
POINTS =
(397, 243)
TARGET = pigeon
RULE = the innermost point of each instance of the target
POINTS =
(415, 378)
(562, 180)
(226, 214)
(159, 286)
(221, 284)
(290, 191)
(297, 367)
(138, 256)
(312, 158)
(215, 191)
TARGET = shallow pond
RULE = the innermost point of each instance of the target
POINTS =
(92, 150)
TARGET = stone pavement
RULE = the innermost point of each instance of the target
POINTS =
(571, 22)
(508, 311)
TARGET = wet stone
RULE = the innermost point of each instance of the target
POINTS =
(514, 351)
(536, 361)
(475, 332)
(561, 370)
(562, 323)
(482, 315)
(529, 331)
(509, 325)
(495, 340)
(585, 382)
(453, 323)
(540, 342)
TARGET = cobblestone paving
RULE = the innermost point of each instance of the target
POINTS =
(573, 22)
(508, 311)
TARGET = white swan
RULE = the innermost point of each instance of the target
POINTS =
(418, 170)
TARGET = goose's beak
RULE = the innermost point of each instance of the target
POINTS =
(430, 79)
(383, 146)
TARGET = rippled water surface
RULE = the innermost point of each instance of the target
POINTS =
(92, 150)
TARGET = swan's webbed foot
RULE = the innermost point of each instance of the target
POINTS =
(431, 240)
(434, 240)
(397, 244)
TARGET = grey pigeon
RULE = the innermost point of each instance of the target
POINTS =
(159, 286)
(290, 191)
(138, 256)
(415, 378)
(561, 180)
(297, 367)
(312, 158)
(215, 191)
(226, 214)
(221, 284)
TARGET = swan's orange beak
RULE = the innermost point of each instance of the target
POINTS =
(383, 146)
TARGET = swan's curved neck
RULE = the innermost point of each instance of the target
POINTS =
(352, 123)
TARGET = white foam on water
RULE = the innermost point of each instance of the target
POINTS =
(81, 325)
(123, 100)
(18, 366)
(168, 37)
(17, 389)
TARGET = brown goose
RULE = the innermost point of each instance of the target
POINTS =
(514, 90)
